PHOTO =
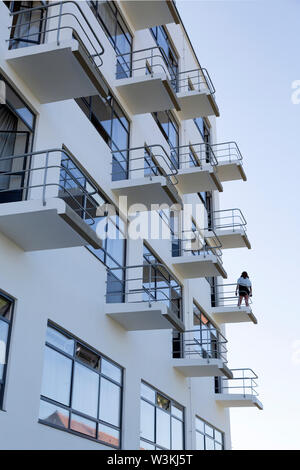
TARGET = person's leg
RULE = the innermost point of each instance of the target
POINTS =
(247, 300)
(240, 300)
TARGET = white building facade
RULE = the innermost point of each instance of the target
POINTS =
(114, 341)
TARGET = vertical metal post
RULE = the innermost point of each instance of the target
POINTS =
(59, 22)
(150, 280)
(45, 178)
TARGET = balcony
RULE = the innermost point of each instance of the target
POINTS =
(192, 257)
(144, 15)
(197, 169)
(139, 298)
(230, 227)
(146, 176)
(43, 205)
(198, 354)
(230, 161)
(224, 306)
(196, 94)
(56, 51)
(143, 80)
(239, 390)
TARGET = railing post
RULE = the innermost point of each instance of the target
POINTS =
(150, 280)
(59, 22)
(45, 178)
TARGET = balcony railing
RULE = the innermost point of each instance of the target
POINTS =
(195, 155)
(244, 382)
(143, 283)
(194, 80)
(54, 19)
(193, 243)
(232, 219)
(46, 174)
(223, 295)
(206, 344)
(227, 152)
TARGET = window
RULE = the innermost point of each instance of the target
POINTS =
(6, 314)
(81, 390)
(208, 437)
(162, 421)
(110, 121)
(206, 333)
(16, 134)
(170, 57)
(27, 28)
(170, 130)
(117, 32)
(162, 286)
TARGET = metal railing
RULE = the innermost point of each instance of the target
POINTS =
(151, 60)
(207, 344)
(150, 160)
(227, 152)
(33, 174)
(85, 33)
(223, 295)
(193, 242)
(232, 219)
(144, 283)
(243, 383)
(195, 154)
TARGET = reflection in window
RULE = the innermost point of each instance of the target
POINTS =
(170, 57)
(81, 390)
(206, 334)
(208, 437)
(6, 312)
(170, 130)
(162, 421)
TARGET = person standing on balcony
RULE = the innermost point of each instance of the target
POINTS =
(244, 287)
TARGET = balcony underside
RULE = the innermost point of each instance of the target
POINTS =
(229, 238)
(233, 314)
(56, 73)
(141, 316)
(147, 192)
(199, 367)
(198, 179)
(147, 94)
(195, 104)
(191, 267)
(33, 226)
(228, 400)
(146, 14)
(231, 171)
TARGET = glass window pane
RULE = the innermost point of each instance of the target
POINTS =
(177, 434)
(56, 376)
(147, 392)
(209, 443)
(199, 441)
(4, 327)
(163, 428)
(112, 371)
(83, 425)
(162, 402)
(199, 424)
(218, 446)
(218, 436)
(209, 430)
(108, 435)
(85, 390)
(176, 411)
(60, 341)
(5, 308)
(54, 414)
(147, 420)
(110, 402)
(146, 446)
(87, 356)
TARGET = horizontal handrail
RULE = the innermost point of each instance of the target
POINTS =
(193, 242)
(228, 218)
(201, 151)
(137, 163)
(27, 172)
(195, 80)
(243, 382)
(223, 295)
(98, 50)
(206, 343)
(135, 283)
(228, 152)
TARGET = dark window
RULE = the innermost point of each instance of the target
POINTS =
(207, 436)
(162, 421)
(81, 389)
(170, 57)
(117, 32)
(16, 135)
(170, 130)
(6, 314)
(27, 28)
(163, 286)
(206, 333)
(110, 121)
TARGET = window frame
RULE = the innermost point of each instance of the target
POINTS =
(3, 381)
(204, 434)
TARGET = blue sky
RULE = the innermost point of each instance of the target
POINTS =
(252, 52)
